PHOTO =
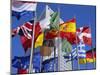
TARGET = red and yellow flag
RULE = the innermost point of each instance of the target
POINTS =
(69, 26)
(68, 31)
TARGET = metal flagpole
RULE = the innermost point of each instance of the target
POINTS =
(72, 59)
(59, 42)
(77, 50)
(93, 57)
(41, 15)
(92, 47)
(39, 19)
(54, 58)
(85, 52)
(32, 46)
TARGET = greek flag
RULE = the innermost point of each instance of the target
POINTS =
(79, 52)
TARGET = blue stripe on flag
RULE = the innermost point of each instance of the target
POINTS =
(18, 15)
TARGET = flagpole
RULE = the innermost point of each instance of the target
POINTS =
(59, 41)
(72, 59)
(85, 52)
(77, 50)
(92, 47)
(41, 14)
(55, 50)
(32, 46)
(54, 59)
(42, 57)
(93, 57)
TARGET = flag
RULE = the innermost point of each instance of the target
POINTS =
(14, 32)
(70, 36)
(39, 40)
(84, 34)
(25, 32)
(66, 47)
(22, 8)
(54, 26)
(78, 53)
(54, 21)
(91, 56)
(22, 63)
(68, 31)
(45, 18)
(51, 12)
(48, 65)
(69, 26)
(81, 53)
(51, 34)
(72, 55)
(22, 71)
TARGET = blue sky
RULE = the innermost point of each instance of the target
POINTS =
(85, 16)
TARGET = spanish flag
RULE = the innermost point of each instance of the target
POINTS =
(68, 31)
(51, 34)
(69, 26)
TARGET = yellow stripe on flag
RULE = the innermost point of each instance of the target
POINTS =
(91, 60)
(68, 27)
(86, 60)
(39, 40)
(82, 61)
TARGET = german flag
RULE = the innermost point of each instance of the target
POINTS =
(90, 57)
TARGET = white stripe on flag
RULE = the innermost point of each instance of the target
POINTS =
(81, 51)
(82, 55)
(20, 7)
(51, 12)
(88, 35)
(27, 28)
(26, 33)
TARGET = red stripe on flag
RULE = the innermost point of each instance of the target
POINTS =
(22, 71)
(87, 40)
(71, 37)
(28, 25)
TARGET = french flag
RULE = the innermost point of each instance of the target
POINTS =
(20, 8)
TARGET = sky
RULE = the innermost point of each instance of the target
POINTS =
(85, 16)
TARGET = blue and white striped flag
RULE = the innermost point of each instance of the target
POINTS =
(79, 52)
